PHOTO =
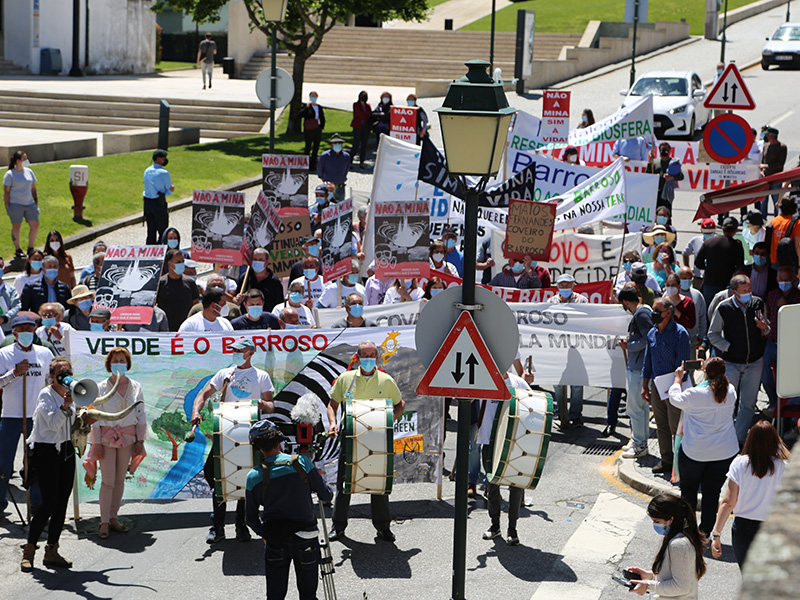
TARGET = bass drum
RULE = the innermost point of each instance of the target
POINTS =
(368, 446)
(520, 438)
(233, 454)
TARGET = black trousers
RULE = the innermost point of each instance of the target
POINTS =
(710, 477)
(361, 143)
(379, 503)
(218, 518)
(55, 471)
(313, 138)
(516, 496)
(156, 215)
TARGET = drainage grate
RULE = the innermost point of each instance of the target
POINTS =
(601, 449)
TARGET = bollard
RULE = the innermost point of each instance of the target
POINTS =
(163, 126)
(78, 186)
(448, 24)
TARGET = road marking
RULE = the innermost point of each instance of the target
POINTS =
(601, 539)
(782, 117)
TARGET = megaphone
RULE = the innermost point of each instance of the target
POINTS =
(84, 392)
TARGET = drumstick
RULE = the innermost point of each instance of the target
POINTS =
(189, 437)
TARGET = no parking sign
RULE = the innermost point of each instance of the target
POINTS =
(728, 138)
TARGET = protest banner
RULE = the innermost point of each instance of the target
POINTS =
(287, 247)
(400, 314)
(403, 123)
(285, 182)
(337, 240)
(529, 229)
(573, 344)
(217, 227)
(602, 196)
(264, 224)
(401, 239)
(129, 282)
(555, 116)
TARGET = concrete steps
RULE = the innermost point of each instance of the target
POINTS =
(112, 113)
(8, 67)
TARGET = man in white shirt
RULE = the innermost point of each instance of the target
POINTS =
(209, 319)
(336, 292)
(22, 365)
(311, 281)
(53, 328)
(296, 301)
(242, 381)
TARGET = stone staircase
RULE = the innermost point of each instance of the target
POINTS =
(9, 68)
(366, 55)
(215, 119)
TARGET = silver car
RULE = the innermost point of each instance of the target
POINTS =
(678, 98)
(783, 49)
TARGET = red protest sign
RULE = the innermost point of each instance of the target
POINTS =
(555, 116)
(403, 123)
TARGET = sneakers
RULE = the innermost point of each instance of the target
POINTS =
(386, 535)
(512, 539)
(472, 490)
(635, 452)
(491, 533)
(243, 533)
(215, 535)
(336, 534)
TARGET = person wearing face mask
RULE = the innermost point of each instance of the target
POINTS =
(99, 319)
(362, 116)
(311, 281)
(117, 445)
(52, 328)
(239, 382)
(375, 288)
(753, 232)
(434, 286)
(322, 200)
(452, 254)
(587, 119)
(313, 117)
(172, 240)
(738, 331)
(157, 186)
(254, 316)
(99, 246)
(381, 116)
(10, 302)
(525, 274)
(34, 269)
(630, 258)
(763, 279)
(679, 563)
(311, 247)
(654, 238)
(55, 247)
(422, 118)
(80, 307)
(437, 259)
(289, 317)
(22, 200)
(23, 360)
(177, 293)
(669, 174)
(215, 280)
(296, 300)
(720, 256)
(571, 156)
(336, 292)
(403, 290)
(663, 263)
(93, 281)
(685, 313)
(663, 218)
(707, 228)
(786, 293)
(211, 317)
(354, 306)
(261, 277)
(697, 333)
(47, 289)
(333, 166)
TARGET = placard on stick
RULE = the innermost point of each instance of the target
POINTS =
(401, 239)
(287, 247)
(285, 182)
(530, 229)
(264, 224)
(129, 282)
(337, 236)
(217, 226)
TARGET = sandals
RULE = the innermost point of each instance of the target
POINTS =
(117, 526)
(102, 533)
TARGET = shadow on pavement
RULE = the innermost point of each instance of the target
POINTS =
(78, 581)
(377, 560)
(527, 563)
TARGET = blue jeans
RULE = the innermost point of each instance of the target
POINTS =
(742, 533)
(767, 376)
(575, 399)
(637, 409)
(612, 408)
(763, 205)
(746, 378)
(305, 555)
(10, 432)
(474, 455)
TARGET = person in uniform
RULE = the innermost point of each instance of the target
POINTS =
(242, 381)
(280, 510)
(366, 382)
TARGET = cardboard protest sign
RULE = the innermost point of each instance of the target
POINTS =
(285, 182)
(401, 239)
(264, 224)
(555, 116)
(129, 282)
(217, 227)
(403, 123)
(337, 240)
(602, 196)
(529, 229)
(287, 247)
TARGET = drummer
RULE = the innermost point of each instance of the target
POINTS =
(240, 382)
(367, 382)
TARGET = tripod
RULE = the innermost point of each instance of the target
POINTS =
(326, 563)
(19, 512)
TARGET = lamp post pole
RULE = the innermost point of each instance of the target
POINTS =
(633, 50)
(273, 85)
(724, 33)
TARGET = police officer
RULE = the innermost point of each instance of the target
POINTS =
(157, 186)
(279, 508)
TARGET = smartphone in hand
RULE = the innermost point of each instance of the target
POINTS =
(624, 582)
(692, 365)
(630, 575)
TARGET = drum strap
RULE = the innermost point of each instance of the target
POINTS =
(266, 472)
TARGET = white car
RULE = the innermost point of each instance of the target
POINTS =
(678, 98)
(783, 49)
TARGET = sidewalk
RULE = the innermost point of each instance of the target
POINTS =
(462, 12)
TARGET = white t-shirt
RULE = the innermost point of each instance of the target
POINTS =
(197, 322)
(21, 280)
(691, 249)
(393, 296)
(57, 344)
(446, 267)
(755, 495)
(245, 384)
(316, 286)
(485, 429)
(39, 358)
(328, 299)
(303, 312)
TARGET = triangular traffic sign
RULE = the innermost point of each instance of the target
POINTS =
(464, 367)
(730, 92)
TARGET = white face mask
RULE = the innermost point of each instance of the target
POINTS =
(385, 99)
(55, 245)
(26, 163)
(438, 257)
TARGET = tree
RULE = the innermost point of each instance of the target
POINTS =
(305, 25)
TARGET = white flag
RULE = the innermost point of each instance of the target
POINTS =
(602, 196)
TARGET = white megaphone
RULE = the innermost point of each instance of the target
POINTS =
(84, 392)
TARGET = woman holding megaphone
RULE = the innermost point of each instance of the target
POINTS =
(117, 445)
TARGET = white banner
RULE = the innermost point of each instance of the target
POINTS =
(573, 344)
(385, 315)
(602, 196)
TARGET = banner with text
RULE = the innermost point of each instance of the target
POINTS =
(217, 227)
(337, 240)
(401, 239)
(264, 224)
(602, 196)
(530, 229)
(555, 116)
(287, 247)
(129, 282)
(403, 123)
(285, 182)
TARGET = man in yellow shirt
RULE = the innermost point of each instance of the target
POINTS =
(364, 383)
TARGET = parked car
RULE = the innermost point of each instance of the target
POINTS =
(783, 48)
(678, 98)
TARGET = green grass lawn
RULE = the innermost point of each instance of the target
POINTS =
(115, 181)
(170, 65)
(572, 16)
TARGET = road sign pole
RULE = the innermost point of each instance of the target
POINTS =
(273, 89)
(724, 33)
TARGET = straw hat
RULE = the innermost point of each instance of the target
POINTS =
(80, 292)
(658, 230)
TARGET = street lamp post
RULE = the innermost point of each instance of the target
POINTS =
(724, 33)
(274, 11)
(474, 118)
(633, 49)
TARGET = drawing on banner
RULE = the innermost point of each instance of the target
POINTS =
(217, 226)
(401, 239)
(264, 224)
(337, 233)
(129, 282)
(286, 181)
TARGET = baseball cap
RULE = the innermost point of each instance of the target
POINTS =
(638, 272)
(730, 223)
(243, 343)
(336, 138)
(565, 278)
(708, 224)
(321, 188)
(101, 312)
(191, 264)
(22, 320)
(260, 428)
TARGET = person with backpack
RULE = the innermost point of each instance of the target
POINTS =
(280, 510)
(783, 235)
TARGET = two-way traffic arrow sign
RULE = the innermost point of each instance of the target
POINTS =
(730, 92)
(463, 367)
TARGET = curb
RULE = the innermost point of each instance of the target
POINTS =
(627, 473)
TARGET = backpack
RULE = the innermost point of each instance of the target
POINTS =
(785, 251)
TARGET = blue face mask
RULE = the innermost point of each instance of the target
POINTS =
(96, 327)
(2, 272)
(785, 286)
(259, 266)
(320, 199)
(238, 359)
(661, 220)
(36, 265)
(51, 274)
(367, 364)
(179, 268)
(435, 291)
(686, 284)
(172, 243)
(565, 293)
(518, 267)
(25, 338)
(313, 99)
(661, 528)
(356, 310)
(352, 279)
(292, 325)
(450, 244)
(119, 369)
(337, 147)
(627, 266)
(296, 297)
(745, 298)
(255, 312)
(313, 250)
(48, 321)
(85, 304)
(707, 235)
(309, 273)
(659, 239)
(759, 260)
